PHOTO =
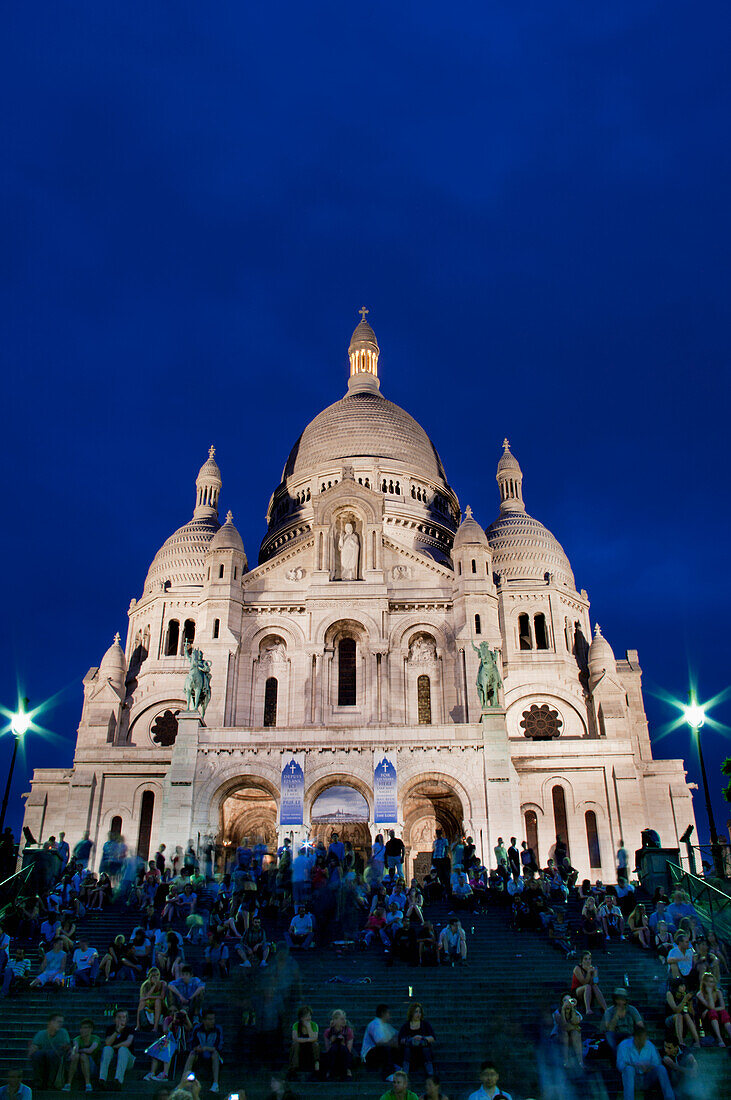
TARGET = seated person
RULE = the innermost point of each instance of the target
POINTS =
(85, 960)
(559, 933)
(153, 999)
(620, 1019)
(400, 1088)
(85, 1052)
(682, 1013)
(427, 946)
(49, 931)
(394, 924)
(638, 1061)
(660, 914)
(187, 991)
(462, 893)
(663, 939)
(175, 1029)
(254, 947)
(206, 1046)
(379, 1047)
(304, 1050)
(338, 1054)
(639, 927)
(611, 918)
(713, 1008)
(301, 931)
(53, 967)
(47, 1051)
(15, 975)
(567, 1029)
(373, 927)
(216, 958)
(453, 943)
(681, 1066)
(681, 960)
(14, 1089)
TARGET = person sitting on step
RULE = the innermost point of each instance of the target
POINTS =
(489, 1088)
(85, 1052)
(338, 1053)
(304, 1050)
(453, 943)
(416, 1039)
(117, 1049)
(186, 992)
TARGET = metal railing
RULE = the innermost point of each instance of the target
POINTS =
(12, 889)
(699, 859)
(712, 904)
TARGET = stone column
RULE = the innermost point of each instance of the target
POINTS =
(178, 788)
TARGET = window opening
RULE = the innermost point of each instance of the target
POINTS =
(592, 837)
(525, 640)
(478, 625)
(172, 639)
(539, 623)
(271, 691)
(216, 627)
(346, 672)
(423, 694)
(147, 806)
(559, 816)
(531, 834)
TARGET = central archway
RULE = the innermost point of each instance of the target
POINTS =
(429, 804)
(248, 813)
(343, 809)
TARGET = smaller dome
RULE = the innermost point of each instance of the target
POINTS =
(113, 664)
(508, 461)
(470, 533)
(363, 336)
(210, 470)
(227, 537)
(601, 654)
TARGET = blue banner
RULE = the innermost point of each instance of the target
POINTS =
(385, 788)
(292, 805)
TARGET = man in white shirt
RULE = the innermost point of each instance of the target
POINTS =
(86, 963)
(638, 1061)
(489, 1088)
(453, 943)
(680, 957)
(301, 930)
(379, 1043)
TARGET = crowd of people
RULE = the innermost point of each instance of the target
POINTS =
(328, 899)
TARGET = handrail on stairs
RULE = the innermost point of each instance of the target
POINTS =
(706, 895)
(10, 890)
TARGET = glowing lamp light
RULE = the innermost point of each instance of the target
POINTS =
(695, 715)
(20, 723)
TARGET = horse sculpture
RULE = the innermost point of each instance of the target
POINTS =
(197, 685)
(489, 680)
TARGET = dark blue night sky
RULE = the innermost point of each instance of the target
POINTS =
(531, 198)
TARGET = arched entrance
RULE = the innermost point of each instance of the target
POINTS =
(430, 804)
(248, 813)
(343, 810)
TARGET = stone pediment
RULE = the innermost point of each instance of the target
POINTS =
(406, 567)
(288, 570)
(106, 693)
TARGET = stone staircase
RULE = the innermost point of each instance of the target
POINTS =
(495, 1007)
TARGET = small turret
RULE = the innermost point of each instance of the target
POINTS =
(601, 658)
(363, 354)
(510, 481)
(208, 486)
(113, 665)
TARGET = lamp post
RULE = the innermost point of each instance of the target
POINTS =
(19, 725)
(695, 716)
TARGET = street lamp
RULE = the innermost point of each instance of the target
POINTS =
(695, 717)
(20, 723)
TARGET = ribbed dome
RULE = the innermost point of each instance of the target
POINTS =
(508, 461)
(523, 549)
(113, 664)
(601, 654)
(181, 558)
(470, 533)
(227, 537)
(363, 337)
(364, 425)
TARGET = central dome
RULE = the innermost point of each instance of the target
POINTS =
(363, 425)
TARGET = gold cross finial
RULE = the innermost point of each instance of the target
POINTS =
(363, 312)
(211, 451)
(506, 443)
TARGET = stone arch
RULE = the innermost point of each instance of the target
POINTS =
(408, 779)
(365, 628)
(153, 785)
(557, 779)
(401, 635)
(142, 716)
(365, 502)
(222, 779)
(247, 807)
(428, 802)
(520, 699)
(289, 630)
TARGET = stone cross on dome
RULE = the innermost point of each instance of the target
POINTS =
(363, 312)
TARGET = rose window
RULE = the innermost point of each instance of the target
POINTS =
(164, 729)
(541, 722)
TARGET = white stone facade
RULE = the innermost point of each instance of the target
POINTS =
(361, 616)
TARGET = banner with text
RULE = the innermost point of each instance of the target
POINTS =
(385, 788)
(292, 805)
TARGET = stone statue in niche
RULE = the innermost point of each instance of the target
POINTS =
(349, 547)
(422, 649)
(274, 652)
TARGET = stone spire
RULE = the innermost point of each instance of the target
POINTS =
(510, 481)
(363, 354)
(207, 486)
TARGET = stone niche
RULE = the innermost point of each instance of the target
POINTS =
(347, 546)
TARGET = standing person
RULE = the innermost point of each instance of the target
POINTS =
(47, 1051)
(638, 1061)
(379, 1043)
(63, 850)
(513, 856)
(501, 854)
(489, 1087)
(378, 860)
(395, 853)
(622, 861)
(416, 1039)
(527, 858)
(160, 861)
(117, 1045)
(82, 851)
(440, 857)
(400, 1088)
(85, 1050)
(301, 872)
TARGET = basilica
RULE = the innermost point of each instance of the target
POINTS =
(353, 655)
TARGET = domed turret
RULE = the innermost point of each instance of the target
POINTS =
(228, 537)
(113, 666)
(522, 548)
(601, 657)
(363, 354)
(208, 486)
(180, 559)
(470, 533)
